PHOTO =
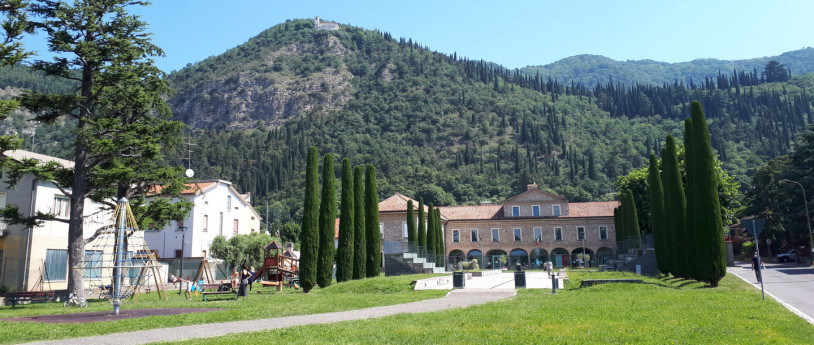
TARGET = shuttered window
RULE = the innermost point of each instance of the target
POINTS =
(56, 264)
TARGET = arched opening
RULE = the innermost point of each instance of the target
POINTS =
(577, 262)
(456, 256)
(475, 255)
(604, 256)
(518, 256)
(538, 257)
(559, 257)
(496, 259)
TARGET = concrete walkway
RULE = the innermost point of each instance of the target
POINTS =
(454, 299)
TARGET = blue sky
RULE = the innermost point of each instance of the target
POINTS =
(511, 33)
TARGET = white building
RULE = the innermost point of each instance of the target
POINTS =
(218, 209)
(36, 258)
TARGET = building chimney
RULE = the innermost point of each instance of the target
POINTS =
(532, 186)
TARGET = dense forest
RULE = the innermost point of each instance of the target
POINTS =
(451, 130)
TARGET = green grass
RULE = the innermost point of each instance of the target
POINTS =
(661, 311)
(338, 297)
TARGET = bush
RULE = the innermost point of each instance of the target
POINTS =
(748, 249)
(470, 265)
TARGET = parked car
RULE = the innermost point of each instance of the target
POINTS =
(787, 256)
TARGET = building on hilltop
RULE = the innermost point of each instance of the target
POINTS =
(325, 25)
(530, 228)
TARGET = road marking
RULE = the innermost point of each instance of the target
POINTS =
(782, 302)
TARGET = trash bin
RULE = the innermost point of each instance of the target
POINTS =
(458, 280)
(519, 277)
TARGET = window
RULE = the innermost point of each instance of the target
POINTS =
(555, 210)
(56, 264)
(538, 235)
(495, 235)
(93, 264)
(580, 233)
(474, 234)
(518, 235)
(234, 227)
(515, 211)
(381, 230)
(557, 234)
(228, 203)
(603, 232)
(404, 229)
(206, 223)
(535, 210)
(220, 224)
(456, 236)
(62, 206)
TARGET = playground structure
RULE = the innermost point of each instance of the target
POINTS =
(118, 262)
(279, 269)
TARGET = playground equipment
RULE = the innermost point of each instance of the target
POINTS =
(118, 262)
(279, 268)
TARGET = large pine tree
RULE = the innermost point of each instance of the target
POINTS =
(422, 226)
(674, 208)
(344, 254)
(359, 230)
(411, 230)
(327, 223)
(656, 196)
(373, 237)
(309, 234)
(710, 255)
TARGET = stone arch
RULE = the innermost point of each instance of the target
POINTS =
(560, 257)
(475, 254)
(575, 262)
(604, 256)
(456, 256)
(538, 257)
(518, 255)
(492, 259)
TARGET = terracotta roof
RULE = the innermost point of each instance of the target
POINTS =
(398, 203)
(472, 212)
(592, 209)
(193, 188)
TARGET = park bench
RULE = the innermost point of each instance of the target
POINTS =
(592, 282)
(29, 296)
(216, 289)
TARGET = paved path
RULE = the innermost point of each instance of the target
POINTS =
(789, 284)
(455, 299)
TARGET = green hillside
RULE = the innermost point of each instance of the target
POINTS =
(450, 130)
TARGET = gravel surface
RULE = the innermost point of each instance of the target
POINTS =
(455, 299)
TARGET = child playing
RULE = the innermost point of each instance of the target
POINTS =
(188, 292)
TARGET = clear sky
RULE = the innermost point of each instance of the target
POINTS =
(511, 33)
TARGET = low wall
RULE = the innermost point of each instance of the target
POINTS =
(432, 283)
(486, 273)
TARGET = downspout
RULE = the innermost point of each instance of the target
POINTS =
(28, 236)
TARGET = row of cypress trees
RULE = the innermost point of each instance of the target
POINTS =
(358, 254)
(686, 220)
(428, 235)
(626, 222)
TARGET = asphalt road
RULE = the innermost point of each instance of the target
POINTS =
(790, 283)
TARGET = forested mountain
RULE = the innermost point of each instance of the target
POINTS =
(450, 130)
(590, 70)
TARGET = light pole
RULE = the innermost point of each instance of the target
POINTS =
(183, 242)
(808, 219)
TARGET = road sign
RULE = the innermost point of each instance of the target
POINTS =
(754, 226)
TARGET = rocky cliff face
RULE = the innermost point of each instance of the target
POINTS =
(284, 83)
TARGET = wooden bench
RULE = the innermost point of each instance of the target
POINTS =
(29, 296)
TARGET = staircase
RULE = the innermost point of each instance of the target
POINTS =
(408, 263)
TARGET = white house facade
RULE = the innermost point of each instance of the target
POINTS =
(218, 209)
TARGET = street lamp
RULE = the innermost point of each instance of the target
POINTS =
(183, 242)
(808, 219)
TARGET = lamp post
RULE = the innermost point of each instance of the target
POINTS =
(183, 242)
(808, 219)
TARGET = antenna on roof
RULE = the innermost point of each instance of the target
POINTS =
(189, 172)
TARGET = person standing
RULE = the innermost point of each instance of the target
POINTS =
(252, 272)
(234, 278)
(244, 282)
(188, 290)
(757, 265)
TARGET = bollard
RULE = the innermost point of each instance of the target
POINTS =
(554, 283)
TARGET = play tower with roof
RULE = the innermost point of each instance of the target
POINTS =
(278, 269)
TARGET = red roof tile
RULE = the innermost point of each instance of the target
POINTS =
(472, 212)
(397, 203)
(592, 209)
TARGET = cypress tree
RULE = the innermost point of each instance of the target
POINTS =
(632, 220)
(439, 237)
(690, 192)
(431, 231)
(374, 242)
(710, 258)
(344, 254)
(617, 224)
(656, 196)
(674, 208)
(422, 226)
(309, 234)
(327, 223)
(359, 243)
(411, 231)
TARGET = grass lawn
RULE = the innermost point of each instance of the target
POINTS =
(661, 311)
(338, 297)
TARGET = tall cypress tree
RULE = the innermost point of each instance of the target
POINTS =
(374, 242)
(439, 238)
(690, 188)
(344, 254)
(674, 208)
(431, 231)
(632, 219)
(656, 196)
(422, 225)
(617, 224)
(327, 223)
(309, 234)
(412, 238)
(359, 230)
(710, 255)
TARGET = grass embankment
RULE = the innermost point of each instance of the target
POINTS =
(661, 311)
(338, 297)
